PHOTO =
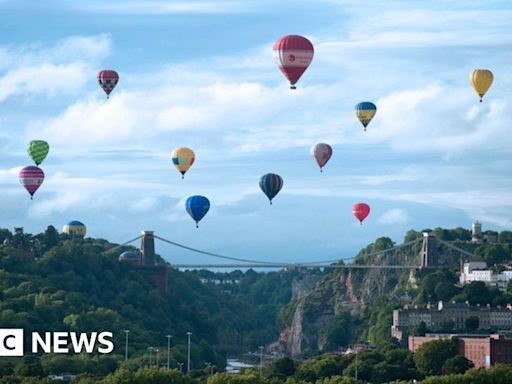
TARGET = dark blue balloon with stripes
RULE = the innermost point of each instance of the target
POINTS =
(197, 207)
(271, 184)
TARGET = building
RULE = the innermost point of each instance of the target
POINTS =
(450, 316)
(478, 271)
(476, 232)
(482, 350)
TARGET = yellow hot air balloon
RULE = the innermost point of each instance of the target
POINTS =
(183, 158)
(481, 79)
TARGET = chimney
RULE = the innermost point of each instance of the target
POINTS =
(147, 248)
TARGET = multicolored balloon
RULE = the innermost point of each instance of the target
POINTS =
(481, 79)
(365, 112)
(322, 153)
(271, 184)
(108, 80)
(293, 54)
(183, 158)
(75, 229)
(31, 178)
(197, 207)
(361, 211)
(38, 149)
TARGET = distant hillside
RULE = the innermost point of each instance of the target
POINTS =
(349, 306)
(53, 283)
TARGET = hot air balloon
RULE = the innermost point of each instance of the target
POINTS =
(293, 54)
(38, 149)
(197, 207)
(108, 80)
(130, 257)
(361, 211)
(271, 184)
(183, 158)
(31, 178)
(365, 112)
(75, 229)
(481, 79)
(322, 153)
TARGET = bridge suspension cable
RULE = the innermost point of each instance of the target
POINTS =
(121, 245)
(369, 254)
(456, 248)
(269, 264)
(213, 254)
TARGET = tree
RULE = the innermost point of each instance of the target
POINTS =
(456, 364)
(317, 368)
(242, 378)
(411, 235)
(420, 329)
(496, 254)
(505, 237)
(282, 368)
(431, 356)
(338, 332)
(51, 237)
(477, 292)
(472, 323)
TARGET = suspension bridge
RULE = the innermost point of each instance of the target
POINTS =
(400, 257)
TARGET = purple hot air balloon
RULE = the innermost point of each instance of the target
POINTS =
(322, 153)
(31, 178)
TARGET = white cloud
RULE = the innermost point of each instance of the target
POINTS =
(158, 7)
(394, 216)
(44, 79)
(63, 68)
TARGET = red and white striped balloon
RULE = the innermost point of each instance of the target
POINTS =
(293, 54)
(31, 178)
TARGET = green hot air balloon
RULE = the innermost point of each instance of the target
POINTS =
(38, 149)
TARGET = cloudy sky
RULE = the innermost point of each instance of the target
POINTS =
(201, 74)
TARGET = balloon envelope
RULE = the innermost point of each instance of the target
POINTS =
(481, 79)
(197, 207)
(183, 158)
(322, 153)
(293, 54)
(31, 178)
(75, 229)
(365, 112)
(38, 149)
(271, 184)
(108, 79)
(361, 211)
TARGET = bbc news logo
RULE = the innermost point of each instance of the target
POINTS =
(12, 342)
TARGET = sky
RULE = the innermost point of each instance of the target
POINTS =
(201, 74)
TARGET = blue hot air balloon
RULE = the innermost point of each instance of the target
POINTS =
(365, 112)
(271, 184)
(197, 207)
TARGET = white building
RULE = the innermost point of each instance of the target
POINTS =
(477, 271)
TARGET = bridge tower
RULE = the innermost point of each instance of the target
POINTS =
(429, 255)
(147, 248)
(159, 273)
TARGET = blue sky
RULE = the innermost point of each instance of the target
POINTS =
(201, 74)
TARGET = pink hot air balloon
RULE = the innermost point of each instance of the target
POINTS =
(361, 211)
(322, 153)
(108, 79)
(31, 178)
(293, 54)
